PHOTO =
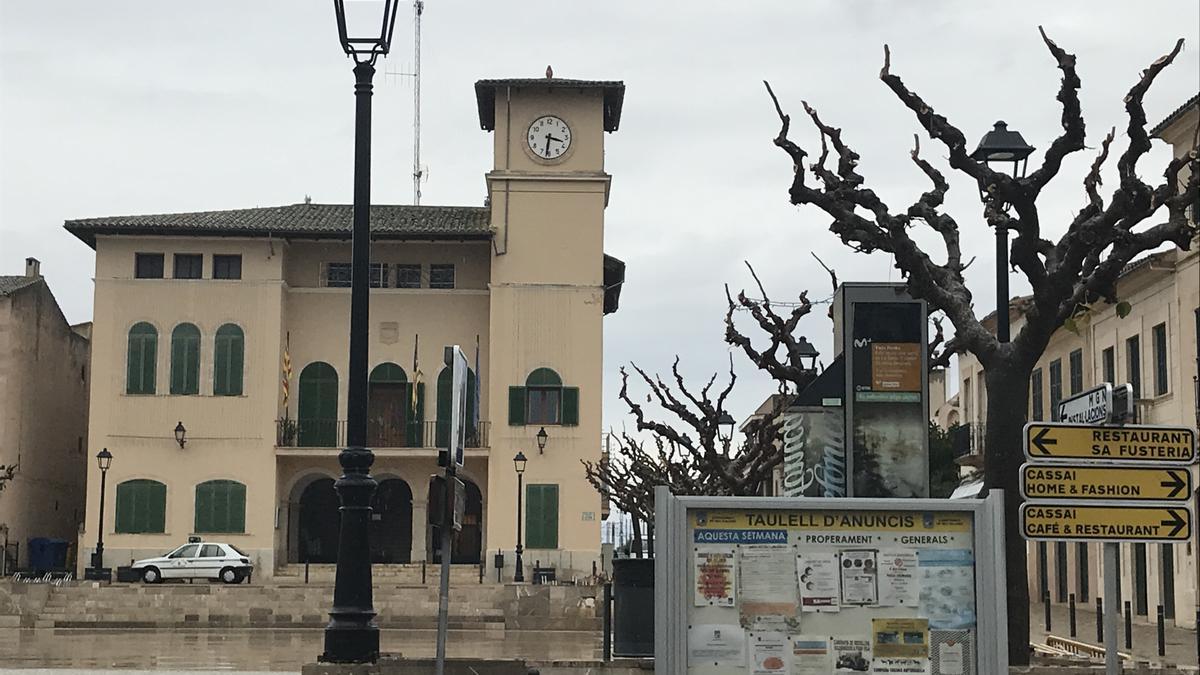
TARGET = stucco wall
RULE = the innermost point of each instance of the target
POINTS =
(44, 375)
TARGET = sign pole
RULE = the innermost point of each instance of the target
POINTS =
(1112, 660)
(444, 583)
(452, 498)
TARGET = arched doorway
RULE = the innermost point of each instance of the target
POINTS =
(388, 407)
(466, 546)
(317, 527)
(391, 522)
(317, 408)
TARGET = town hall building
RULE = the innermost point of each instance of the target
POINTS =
(220, 351)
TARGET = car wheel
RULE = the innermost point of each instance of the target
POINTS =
(230, 576)
(151, 575)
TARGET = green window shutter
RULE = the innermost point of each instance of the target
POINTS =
(570, 406)
(445, 386)
(204, 508)
(228, 360)
(317, 407)
(221, 506)
(533, 516)
(185, 359)
(141, 506)
(516, 406)
(541, 519)
(237, 508)
(140, 359)
(156, 507)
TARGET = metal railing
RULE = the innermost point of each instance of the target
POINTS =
(323, 433)
(967, 439)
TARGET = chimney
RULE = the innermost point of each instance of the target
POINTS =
(33, 267)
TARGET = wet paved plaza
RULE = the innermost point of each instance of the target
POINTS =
(262, 649)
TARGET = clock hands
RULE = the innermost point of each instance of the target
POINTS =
(549, 138)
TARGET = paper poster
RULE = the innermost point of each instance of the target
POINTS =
(899, 582)
(810, 655)
(718, 644)
(859, 578)
(950, 658)
(906, 638)
(951, 652)
(768, 653)
(715, 573)
(947, 579)
(818, 575)
(901, 665)
(851, 655)
(767, 586)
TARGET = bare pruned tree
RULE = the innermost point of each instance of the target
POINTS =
(782, 358)
(1080, 267)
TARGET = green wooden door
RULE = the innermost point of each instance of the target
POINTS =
(541, 516)
(317, 409)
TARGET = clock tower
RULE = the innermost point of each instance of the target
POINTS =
(550, 287)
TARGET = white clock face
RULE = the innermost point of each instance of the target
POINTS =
(549, 137)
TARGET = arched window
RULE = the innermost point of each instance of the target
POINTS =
(317, 408)
(185, 359)
(543, 400)
(141, 506)
(220, 506)
(228, 360)
(445, 394)
(139, 363)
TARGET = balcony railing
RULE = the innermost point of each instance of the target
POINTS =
(967, 439)
(321, 433)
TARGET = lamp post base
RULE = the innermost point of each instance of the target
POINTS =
(350, 642)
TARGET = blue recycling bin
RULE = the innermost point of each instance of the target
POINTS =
(47, 555)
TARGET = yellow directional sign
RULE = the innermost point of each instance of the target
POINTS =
(1095, 482)
(1126, 445)
(1085, 522)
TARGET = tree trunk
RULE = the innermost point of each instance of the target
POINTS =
(1007, 402)
(635, 547)
(650, 539)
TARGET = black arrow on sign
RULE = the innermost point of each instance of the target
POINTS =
(1040, 441)
(1176, 521)
(1176, 484)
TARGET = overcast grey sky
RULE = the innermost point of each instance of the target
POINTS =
(127, 107)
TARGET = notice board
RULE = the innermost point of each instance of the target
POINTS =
(798, 586)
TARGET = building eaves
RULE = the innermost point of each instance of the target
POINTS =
(485, 96)
(1175, 116)
(303, 221)
(12, 284)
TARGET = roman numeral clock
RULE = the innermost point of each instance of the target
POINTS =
(549, 137)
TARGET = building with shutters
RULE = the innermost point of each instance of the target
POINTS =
(1153, 348)
(231, 328)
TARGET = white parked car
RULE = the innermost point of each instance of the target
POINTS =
(197, 560)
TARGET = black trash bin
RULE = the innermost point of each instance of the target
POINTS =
(633, 607)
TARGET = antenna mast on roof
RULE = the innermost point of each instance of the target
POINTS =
(418, 173)
(418, 9)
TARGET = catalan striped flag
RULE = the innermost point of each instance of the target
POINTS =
(286, 379)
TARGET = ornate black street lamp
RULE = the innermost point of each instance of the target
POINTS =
(352, 636)
(97, 571)
(519, 465)
(805, 350)
(542, 437)
(180, 435)
(1000, 145)
(725, 424)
